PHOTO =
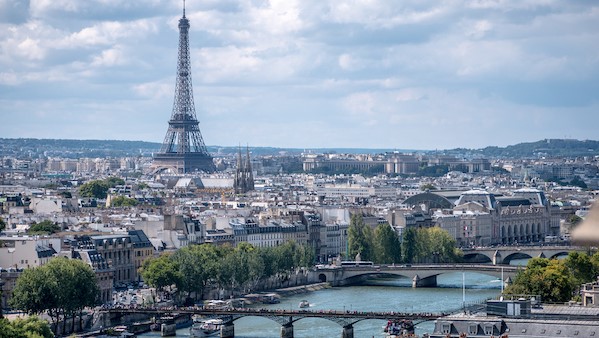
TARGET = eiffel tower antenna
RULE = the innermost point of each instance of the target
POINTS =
(183, 149)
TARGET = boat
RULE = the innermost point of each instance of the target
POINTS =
(179, 320)
(206, 328)
(303, 304)
(215, 304)
(270, 298)
(121, 331)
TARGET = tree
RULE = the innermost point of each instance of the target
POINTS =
(386, 244)
(2, 224)
(45, 227)
(359, 237)
(95, 189)
(30, 327)
(63, 287)
(122, 201)
(549, 278)
(441, 246)
(581, 268)
(161, 272)
(197, 265)
(409, 244)
(114, 181)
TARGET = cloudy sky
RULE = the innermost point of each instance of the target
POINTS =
(403, 74)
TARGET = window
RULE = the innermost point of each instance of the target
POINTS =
(473, 329)
(446, 328)
(488, 329)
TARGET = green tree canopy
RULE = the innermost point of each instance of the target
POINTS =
(2, 224)
(63, 287)
(123, 201)
(549, 278)
(387, 245)
(360, 239)
(581, 268)
(161, 272)
(44, 227)
(94, 189)
(429, 245)
(114, 181)
(29, 327)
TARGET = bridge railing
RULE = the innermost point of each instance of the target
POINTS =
(386, 315)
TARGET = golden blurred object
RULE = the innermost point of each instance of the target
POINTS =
(587, 232)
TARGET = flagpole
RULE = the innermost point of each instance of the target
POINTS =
(502, 280)
(464, 291)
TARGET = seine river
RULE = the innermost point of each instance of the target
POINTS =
(376, 295)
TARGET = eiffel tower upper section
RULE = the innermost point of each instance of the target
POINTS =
(183, 149)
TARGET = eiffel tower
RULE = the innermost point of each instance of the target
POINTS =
(183, 150)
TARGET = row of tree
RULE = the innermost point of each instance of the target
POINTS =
(556, 280)
(190, 270)
(384, 246)
(62, 288)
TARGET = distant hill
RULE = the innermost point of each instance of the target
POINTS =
(547, 148)
(115, 148)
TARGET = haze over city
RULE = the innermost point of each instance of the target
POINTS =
(304, 74)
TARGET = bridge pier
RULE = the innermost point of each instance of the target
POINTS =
(430, 281)
(227, 330)
(348, 331)
(497, 258)
(287, 330)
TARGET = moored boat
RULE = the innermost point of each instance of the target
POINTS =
(206, 328)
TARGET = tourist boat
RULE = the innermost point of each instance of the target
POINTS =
(206, 328)
(270, 298)
(215, 304)
(303, 304)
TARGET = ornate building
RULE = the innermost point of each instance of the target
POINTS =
(244, 177)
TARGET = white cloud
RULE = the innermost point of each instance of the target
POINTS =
(109, 57)
(420, 71)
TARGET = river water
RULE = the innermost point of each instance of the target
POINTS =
(394, 294)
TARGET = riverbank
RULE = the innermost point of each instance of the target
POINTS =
(254, 298)
(294, 290)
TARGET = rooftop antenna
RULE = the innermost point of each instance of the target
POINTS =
(183, 8)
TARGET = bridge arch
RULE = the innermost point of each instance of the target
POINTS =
(477, 257)
(515, 255)
(559, 254)
(288, 320)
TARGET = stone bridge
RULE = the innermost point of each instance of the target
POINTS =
(422, 275)
(286, 318)
(504, 254)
